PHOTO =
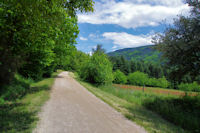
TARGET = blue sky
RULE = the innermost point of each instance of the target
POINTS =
(118, 24)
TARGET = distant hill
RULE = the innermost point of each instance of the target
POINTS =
(145, 53)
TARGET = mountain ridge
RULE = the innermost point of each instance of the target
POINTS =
(142, 53)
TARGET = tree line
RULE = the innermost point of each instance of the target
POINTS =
(180, 48)
(37, 37)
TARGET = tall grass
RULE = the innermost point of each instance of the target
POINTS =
(130, 95)
(182, 111)
(130, 104)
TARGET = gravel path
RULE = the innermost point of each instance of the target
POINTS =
(72, 109)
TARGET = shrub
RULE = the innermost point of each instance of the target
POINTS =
(163, 83)
(97, 69)
(119, 77)
(189, 87)
(138, 78)
(152, 82)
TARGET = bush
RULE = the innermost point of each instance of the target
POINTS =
(119, 77)
(138, 78)
(97, 69)
(152, 82)
(189, 87)
(163, 83)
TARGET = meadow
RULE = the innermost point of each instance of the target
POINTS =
(157, 90)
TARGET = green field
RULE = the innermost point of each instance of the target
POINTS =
(157, 90)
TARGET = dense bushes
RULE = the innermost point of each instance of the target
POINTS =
(139, 78)
(97, 69)
(161, 82)
(119, 77)
(189, 87)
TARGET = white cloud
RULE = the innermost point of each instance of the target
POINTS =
(125, 40)
(89, 53)
(134, 13)
(83, 38)
(91, 35)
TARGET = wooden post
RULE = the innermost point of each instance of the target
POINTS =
(143, 87)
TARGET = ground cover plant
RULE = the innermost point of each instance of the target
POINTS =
(19, 107)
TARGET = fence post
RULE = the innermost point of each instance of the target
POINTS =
(143, 87)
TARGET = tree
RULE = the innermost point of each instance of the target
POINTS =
(97, 69)
(119, 77)
(180, 45)
(98, 49)
(138, 78)
(36, 35)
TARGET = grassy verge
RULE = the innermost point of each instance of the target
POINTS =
(131, 105)
(19, 115)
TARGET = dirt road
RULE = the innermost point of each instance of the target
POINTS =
(72, 109)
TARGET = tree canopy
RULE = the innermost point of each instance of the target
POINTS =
(36, 36)
(180, 44)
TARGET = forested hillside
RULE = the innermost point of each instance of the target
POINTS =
(145, 53)
(38, 38)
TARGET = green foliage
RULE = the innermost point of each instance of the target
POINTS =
(183, 112)
(161, 82)
(20, 116)
(17, 89)
(189, 86)
(36, 37)
(77, 60)
(180, 45)
(144, 53)
(119, 77)
(141, 79)
(126, 66)
(120, 63)
(97, 69)
(98, 49)
(138, 78)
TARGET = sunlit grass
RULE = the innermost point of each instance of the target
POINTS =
(130, 104)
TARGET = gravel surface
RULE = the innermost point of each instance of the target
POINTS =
(72, 109)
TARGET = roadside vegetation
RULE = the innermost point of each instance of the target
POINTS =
(37, 38)
(171, 112)
(155, 112)
(21, 102)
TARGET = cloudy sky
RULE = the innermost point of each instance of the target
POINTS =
(118, 24)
